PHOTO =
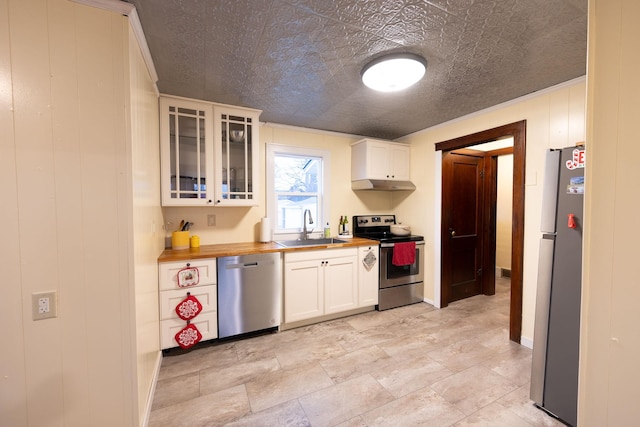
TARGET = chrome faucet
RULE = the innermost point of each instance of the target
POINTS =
(305, 233)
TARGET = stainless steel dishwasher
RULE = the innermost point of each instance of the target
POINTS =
(249, 293)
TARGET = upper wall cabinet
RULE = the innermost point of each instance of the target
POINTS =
(209, 154)
(380, 160)
(236, 162)
(186, 152)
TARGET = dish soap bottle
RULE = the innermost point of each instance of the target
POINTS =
(327, 231)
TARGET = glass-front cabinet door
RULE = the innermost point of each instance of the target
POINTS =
(237, 153)
(186, 152)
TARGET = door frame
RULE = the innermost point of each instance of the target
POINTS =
(517, 131)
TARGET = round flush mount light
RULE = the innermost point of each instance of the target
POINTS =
(394, 72)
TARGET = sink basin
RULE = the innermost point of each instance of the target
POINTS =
(309, 242)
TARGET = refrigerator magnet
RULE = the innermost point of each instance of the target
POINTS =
(576, 185)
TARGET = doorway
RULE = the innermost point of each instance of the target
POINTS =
(517, 131)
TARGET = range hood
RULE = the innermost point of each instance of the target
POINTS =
(382, 185)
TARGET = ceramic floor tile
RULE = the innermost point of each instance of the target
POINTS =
(259, 347)
(342, 402)
(493, 415)
(176, 389)
(353, 422)
(422, 407)
(408, 347)
(513, 364)
(410, 375)
(278, 387)
(357, 340)
(215, 379)
(289, 414)
(412, 310)
(413, 365)
(356, 363)
(462, 355)
(318, 331)
(519, 403)
(473, 388)
(371, 319)
(177, 362)
(296, 354)
(214, 409)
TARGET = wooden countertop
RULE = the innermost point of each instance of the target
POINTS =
(246, 248)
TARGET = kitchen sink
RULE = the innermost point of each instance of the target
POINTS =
(309, 242)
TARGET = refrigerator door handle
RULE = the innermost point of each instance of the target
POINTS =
(540, 330)
(550, 191)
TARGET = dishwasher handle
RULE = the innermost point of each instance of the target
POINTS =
(253, 264)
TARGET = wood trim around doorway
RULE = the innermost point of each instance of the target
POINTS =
(518, 131)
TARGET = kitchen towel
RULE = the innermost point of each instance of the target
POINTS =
(265, 230)
(404, 253)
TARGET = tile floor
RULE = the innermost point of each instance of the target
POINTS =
(413, 365)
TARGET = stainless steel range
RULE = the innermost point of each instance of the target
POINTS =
(401, 281)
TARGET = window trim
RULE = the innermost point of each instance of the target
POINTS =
(274, 149)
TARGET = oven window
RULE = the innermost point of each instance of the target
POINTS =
(397, 272)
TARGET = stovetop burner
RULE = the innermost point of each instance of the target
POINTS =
(378, 227)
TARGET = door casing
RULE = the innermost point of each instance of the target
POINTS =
(517, 131)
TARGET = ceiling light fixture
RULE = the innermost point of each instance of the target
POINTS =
(394, 72)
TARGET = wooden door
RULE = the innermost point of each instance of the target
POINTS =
(462, 225)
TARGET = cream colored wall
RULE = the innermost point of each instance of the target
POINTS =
(555, 118)
(609, 346)
(504, 211)
(242, 224)
(66, 188)
(148, 241)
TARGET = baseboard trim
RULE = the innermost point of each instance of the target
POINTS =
(152, 392)
(527, 342)
(428, 301)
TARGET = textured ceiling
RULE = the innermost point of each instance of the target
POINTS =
(300, 60)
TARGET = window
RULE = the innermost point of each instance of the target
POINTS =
(296, 181)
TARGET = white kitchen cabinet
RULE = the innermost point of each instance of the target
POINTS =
(186, 152)
(341, 284)
(209, 153)
(376, 159)
(303, 289)
(202, 284)
(368, 275)
(236, 156)
(318, 282)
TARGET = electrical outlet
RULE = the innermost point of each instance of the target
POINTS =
(44, 305)
(211, 220)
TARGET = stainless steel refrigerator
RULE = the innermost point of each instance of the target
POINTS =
(556, 340)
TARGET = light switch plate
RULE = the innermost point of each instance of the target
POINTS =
(44, 305)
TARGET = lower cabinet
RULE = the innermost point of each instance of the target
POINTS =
(179, 280)
(319, 282)
(368, 275)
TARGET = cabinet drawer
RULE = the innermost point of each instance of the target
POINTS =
(169, 300)
(207, 324)
(168, 273)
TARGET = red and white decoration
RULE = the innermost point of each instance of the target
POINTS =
(188, 276)
(188, 336)
(578, 159)
(189, 308)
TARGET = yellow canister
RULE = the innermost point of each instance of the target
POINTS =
(180, 240)
(195, 241)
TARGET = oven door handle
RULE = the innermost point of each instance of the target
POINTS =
(390, 245)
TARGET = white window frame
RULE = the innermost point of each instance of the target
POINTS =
(323, 199)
